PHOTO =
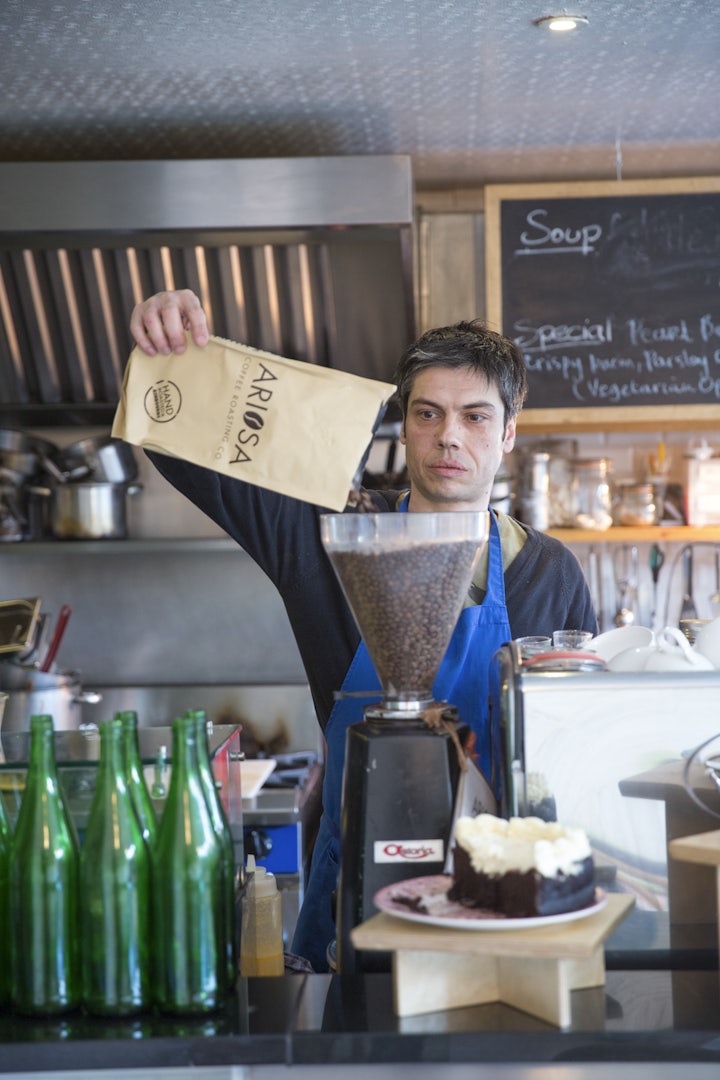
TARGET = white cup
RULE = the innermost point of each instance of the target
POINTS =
(616, 641)
(631, 659)
(675, 653)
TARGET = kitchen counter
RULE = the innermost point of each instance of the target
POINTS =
(658, 1015)
(661, 1017)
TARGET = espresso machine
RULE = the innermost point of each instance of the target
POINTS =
(405, 577)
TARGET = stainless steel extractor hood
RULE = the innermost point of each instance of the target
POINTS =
(307, 257)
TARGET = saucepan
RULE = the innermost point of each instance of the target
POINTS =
(88, 510)
(31, 692)
(100, 458)
(12, 439)
(22, 455)
(18, 463)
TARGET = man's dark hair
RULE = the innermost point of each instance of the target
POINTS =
(472, 345)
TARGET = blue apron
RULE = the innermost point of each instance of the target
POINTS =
(462, 680)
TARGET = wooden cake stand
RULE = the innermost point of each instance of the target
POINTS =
(534, 969)
(702, 848)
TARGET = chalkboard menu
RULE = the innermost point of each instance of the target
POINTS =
(612, 291)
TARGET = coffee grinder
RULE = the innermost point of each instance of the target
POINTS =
(406, 577)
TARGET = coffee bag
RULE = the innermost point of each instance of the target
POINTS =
(282, 424)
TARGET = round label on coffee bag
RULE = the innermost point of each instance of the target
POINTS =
(162, 401)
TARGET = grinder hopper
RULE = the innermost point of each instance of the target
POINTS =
(405, 577)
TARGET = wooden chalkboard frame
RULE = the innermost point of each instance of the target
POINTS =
(587, 418)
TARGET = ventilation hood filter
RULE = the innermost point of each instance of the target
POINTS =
(309, 258)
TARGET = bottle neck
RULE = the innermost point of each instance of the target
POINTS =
(129, 726)
(185, 767)
(112, 753)
(187, 815)
(203, 753)
(42, 748)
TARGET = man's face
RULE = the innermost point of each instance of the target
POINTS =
(454, 439)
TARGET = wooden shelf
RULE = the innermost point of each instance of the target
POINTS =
(629, 534)
(54, 548)
(634, 534)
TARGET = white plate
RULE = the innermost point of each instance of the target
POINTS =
(432, 891)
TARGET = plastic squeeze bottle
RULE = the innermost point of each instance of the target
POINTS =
(261, 932)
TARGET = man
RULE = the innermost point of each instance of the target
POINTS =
(460, 390)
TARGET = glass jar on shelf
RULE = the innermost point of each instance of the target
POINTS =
(636, 505)
(592, 493)
(533, 503)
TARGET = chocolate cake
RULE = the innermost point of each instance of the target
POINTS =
(522, 867)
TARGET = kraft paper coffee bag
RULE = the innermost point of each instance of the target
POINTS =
(285, 425)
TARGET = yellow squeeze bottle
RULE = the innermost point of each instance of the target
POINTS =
(261, 930)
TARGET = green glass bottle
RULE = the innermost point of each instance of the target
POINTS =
(135, 779)
(222, 831)
(44, 888)
(114, 891)
(5, 840)
(190, 963)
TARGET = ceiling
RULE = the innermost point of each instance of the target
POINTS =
(471, 89)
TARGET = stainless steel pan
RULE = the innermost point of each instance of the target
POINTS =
(31, 692)
(12, 439)
(105, 459)
(88, 510)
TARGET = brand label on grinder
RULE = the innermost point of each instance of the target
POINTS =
(385, 851)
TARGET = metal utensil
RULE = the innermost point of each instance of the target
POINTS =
(56, 639)
(626, 570)
(593, 575)
(687, 608)
(657, 558)
(715, 597)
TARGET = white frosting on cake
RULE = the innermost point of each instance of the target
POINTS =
(496, 846)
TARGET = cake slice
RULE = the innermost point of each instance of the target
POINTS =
(522, 867)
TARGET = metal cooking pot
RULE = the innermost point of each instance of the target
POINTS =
(88, 510)
(11, 439)
(31, 693)
(105, 458)
(19, 462)
(23, 455)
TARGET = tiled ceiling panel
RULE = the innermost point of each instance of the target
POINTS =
(471, 89)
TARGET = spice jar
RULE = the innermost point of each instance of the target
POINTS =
(534, 485)
(635, 505)
(592, 497)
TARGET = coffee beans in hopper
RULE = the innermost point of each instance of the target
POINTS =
(406, 603)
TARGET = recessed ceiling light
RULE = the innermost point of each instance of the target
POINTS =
(561, 23)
